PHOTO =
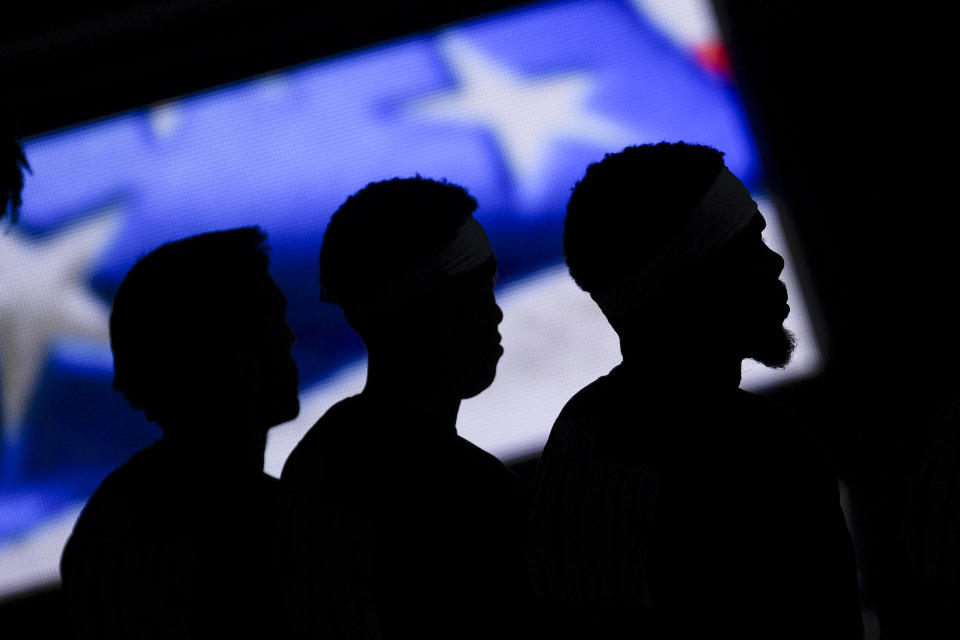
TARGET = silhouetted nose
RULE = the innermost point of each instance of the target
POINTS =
(499, 313)
(776, 260)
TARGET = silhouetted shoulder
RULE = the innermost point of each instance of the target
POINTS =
(428, 523)
(121, 509)
(588, 529)
(162, 549)
(331, 440)
(353, 434)
(154, 499)
(486, 464)
(122, 558)
(778, 428)
(767, 406)
(575, 431)
(125, 498)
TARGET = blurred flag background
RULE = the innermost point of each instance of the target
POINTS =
(512, 106)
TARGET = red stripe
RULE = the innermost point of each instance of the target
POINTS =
(713, 56)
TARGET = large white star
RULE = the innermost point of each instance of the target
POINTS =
(525, 114)
(43, 297)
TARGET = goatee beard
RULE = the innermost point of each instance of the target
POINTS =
(777, 350)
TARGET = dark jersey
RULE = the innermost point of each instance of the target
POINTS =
(164, 548)
(432, 523)
(678, 512)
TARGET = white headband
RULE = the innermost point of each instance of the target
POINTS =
(725, 210)
(468, 249)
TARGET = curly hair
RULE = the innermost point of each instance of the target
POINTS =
(630, 204)
(386, 227)
(186, 302)
(14, 164)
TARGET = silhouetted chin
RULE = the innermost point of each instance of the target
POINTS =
(483, 376)
(775, 352)
(290, 407)
(284, 410)
(292, 410)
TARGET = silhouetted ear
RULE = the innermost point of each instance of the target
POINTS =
(246, 371)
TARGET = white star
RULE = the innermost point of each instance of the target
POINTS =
(525, 114)
(44, 297)
(165, 120)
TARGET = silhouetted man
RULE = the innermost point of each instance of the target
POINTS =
(178, 541)
(435, 520)
(669, 502)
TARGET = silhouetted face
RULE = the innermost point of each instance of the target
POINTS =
(748, 297)
(274, 382)
(464, 339)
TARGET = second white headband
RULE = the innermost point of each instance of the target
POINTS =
(468, 249)
(724, 210)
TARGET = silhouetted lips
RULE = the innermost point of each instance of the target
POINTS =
(783, 289)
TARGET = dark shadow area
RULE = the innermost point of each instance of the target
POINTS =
(849, 107)
(38, 613)
(84, 55)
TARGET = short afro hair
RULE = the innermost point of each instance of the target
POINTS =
(179, 311)
(14, 164)
(630, 205)
(387, 227)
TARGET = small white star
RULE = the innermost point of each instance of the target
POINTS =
(165, 120)
(525, 114)
(43, 297)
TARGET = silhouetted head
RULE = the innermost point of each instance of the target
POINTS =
(413, 272)
(668, 241)
(199, 335)
(14, 163)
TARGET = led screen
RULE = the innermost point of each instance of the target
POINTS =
(512, 106)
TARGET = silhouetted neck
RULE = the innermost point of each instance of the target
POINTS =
(234, 453)
(680, 363)
(406, 389)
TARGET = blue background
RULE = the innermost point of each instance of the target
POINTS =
(284, 151)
